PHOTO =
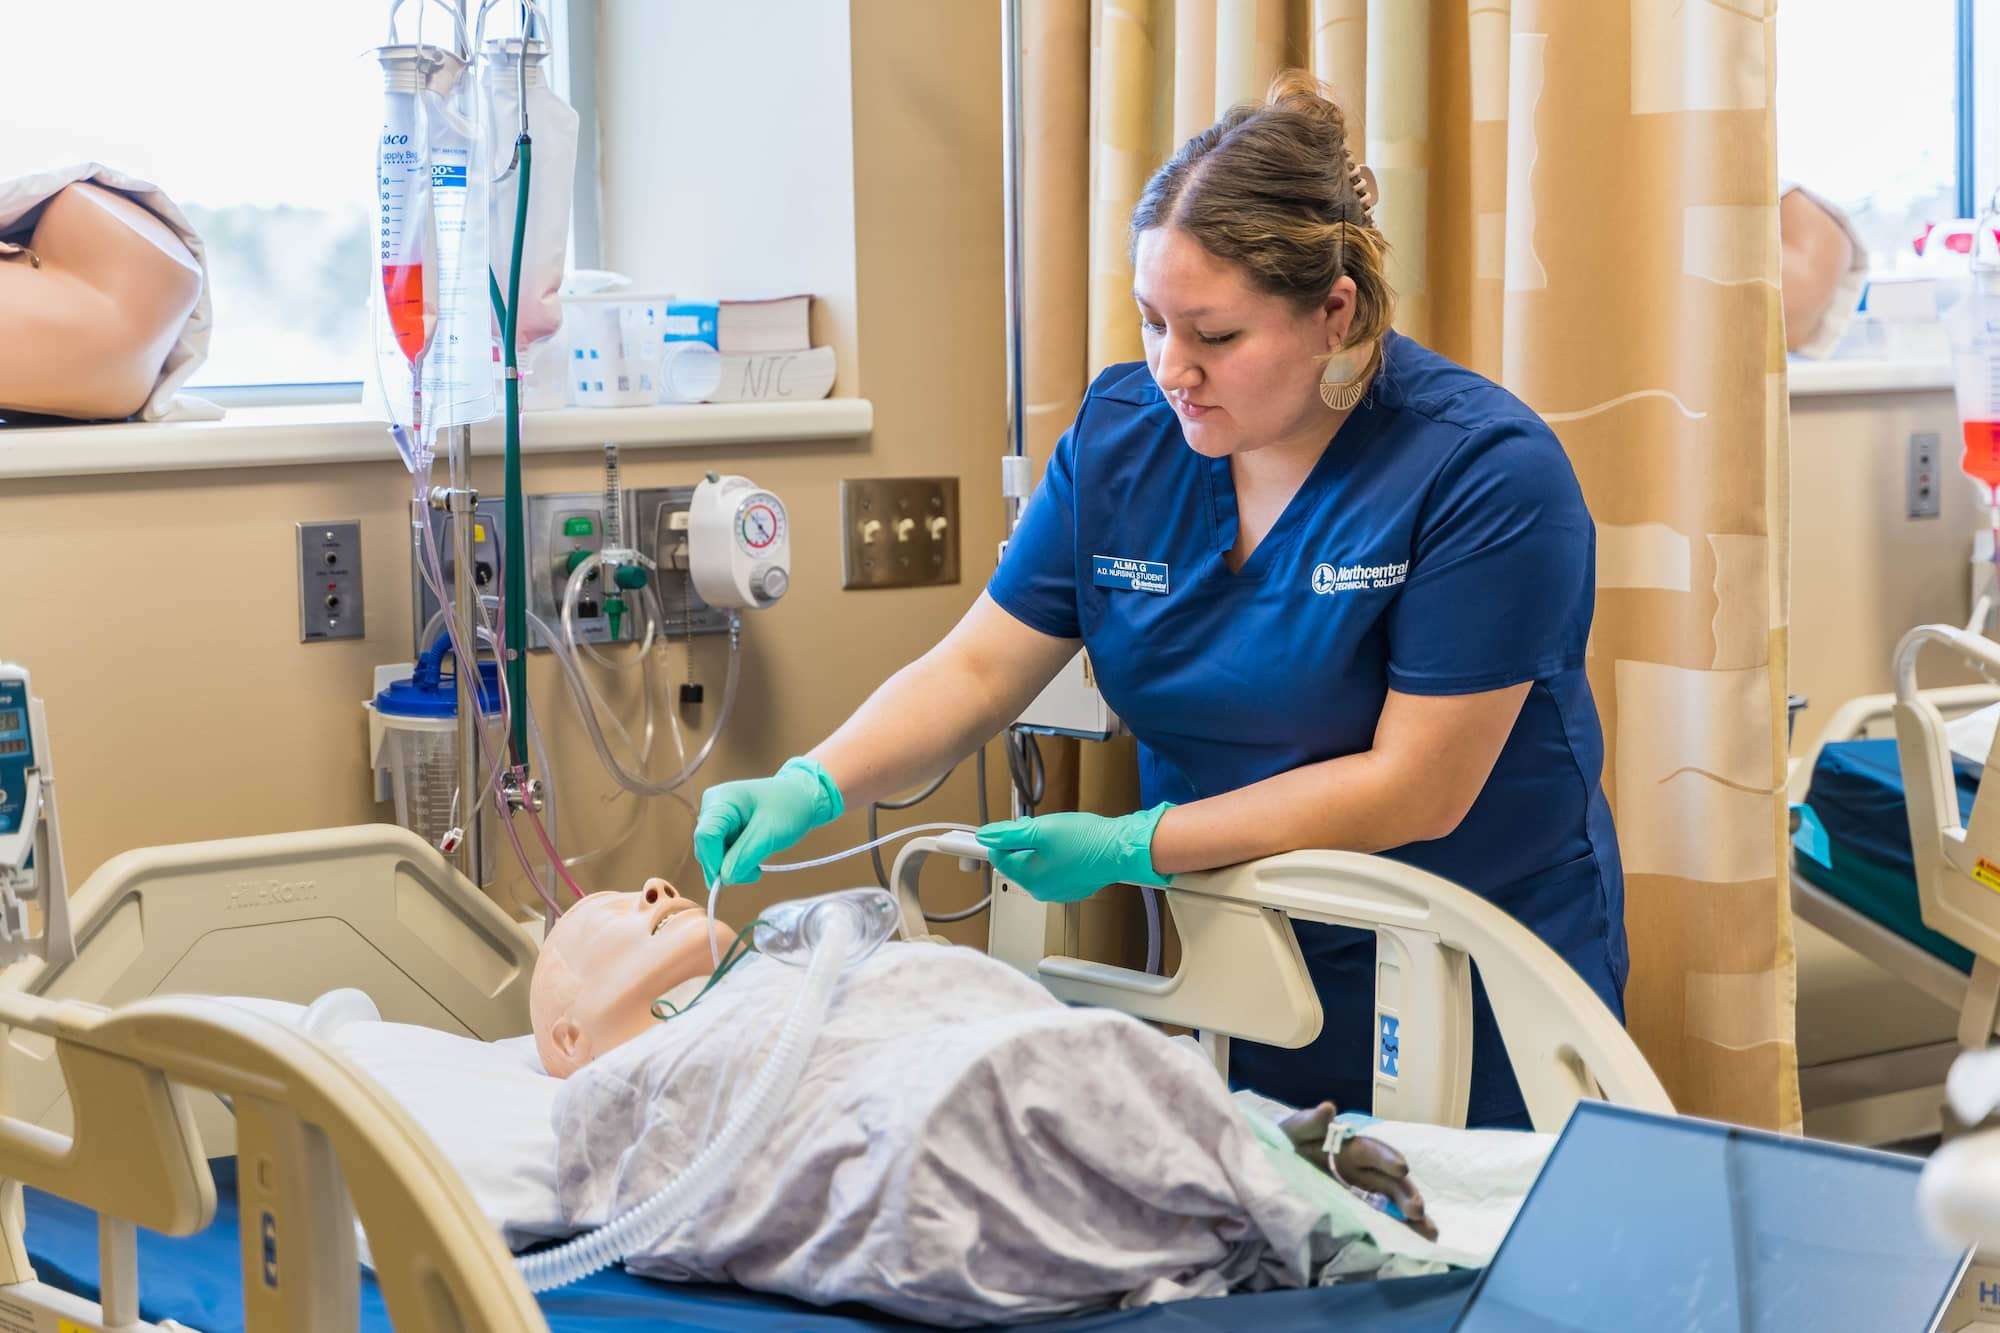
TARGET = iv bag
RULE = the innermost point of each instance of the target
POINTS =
(403, 297)
(1975, 336)
(432, 301)
(552, 126)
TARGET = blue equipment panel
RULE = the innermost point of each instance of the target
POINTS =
(17, 751)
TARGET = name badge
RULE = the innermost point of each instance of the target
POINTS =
(1111, 571)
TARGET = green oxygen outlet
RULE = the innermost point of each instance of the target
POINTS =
(575, 558)
(630, 577)
(614, 611)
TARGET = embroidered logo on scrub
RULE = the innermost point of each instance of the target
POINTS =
(1329, 579)
(1112, 571)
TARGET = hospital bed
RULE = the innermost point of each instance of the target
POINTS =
(113, 1064)
(1886, 862)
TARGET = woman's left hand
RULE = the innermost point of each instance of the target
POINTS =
(1063, 857)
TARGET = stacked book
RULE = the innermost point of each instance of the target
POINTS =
(766, 348)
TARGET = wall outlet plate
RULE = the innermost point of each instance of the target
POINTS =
(330, 605)
(899, 532)
(1924, 482)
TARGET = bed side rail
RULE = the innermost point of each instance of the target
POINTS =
(1957, 864)
(316, 1142)
(285, 916)
(1241, 974)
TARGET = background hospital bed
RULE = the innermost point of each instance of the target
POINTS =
(291, 916)
(1881, 993)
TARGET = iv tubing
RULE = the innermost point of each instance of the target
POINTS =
(491, 791)
(547, 768)
(749, 1129)
(432, 567)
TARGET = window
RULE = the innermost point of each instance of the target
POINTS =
(1869, 112)
(257, 119)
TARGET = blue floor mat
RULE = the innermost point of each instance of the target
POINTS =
(197, 1280)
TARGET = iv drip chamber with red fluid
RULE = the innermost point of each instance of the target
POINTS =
(1981, 459)
(403, 298)
(403, 219)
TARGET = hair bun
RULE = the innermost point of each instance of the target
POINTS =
(1296, 90)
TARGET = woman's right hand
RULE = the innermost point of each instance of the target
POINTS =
(741, 823)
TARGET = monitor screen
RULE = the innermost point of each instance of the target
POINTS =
(10, 719)
(1642, 1222)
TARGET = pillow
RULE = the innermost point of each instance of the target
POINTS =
(488, 1107)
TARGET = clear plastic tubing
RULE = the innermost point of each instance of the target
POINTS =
(715, 889)
(841, 934)
(565, 656)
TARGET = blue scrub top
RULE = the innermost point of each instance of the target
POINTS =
(1440, 545)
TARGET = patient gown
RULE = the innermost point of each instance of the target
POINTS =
(961, 1149)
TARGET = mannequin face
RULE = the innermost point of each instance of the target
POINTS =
(604, 963)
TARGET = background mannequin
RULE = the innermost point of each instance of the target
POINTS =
(89, 313)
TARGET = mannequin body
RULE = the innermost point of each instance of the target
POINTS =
(88, 328)
(611, 955)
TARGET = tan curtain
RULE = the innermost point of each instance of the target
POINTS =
(1581, 197)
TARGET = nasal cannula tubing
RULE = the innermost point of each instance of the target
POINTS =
(715, 889)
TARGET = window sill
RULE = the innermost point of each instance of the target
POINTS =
(294, 436)
(1812, 379)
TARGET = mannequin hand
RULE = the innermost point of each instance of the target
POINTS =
(743, 822)
(1368, 1167)
(1063, 857)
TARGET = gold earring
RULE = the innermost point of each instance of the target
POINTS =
(1340, 395)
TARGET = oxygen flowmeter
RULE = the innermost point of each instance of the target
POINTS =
(31, 866)
(739, 543)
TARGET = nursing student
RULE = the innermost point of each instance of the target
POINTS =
(1338, 587)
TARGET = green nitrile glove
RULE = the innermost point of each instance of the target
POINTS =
(1063, 857)
(743, 822)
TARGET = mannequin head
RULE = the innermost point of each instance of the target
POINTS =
(604, 963)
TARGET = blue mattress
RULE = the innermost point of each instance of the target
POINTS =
(197, 1280)
(1857, 797)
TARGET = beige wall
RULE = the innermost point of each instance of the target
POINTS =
(1863, 572)
(159, 615)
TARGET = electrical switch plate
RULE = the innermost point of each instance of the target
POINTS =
(899, 532)
(656, 526)
(330, 605)
(1924, 481)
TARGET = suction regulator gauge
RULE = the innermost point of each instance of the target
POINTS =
(760, 523)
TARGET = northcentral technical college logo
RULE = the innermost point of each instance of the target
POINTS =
(1328, 579)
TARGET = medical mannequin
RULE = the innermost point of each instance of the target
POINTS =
(91, 303)
(606, 961)
(611, 956)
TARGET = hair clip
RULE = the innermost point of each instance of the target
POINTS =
(1363, 179)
